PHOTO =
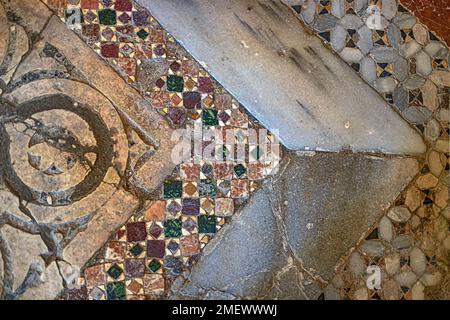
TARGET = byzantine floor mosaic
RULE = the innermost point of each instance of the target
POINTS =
(160, 242)
(409, 66)
(401, 59)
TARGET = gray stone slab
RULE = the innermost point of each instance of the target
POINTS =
(290, 236)
(284, 76)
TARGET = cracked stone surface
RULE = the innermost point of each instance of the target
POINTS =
(255, 49)
(297, 227)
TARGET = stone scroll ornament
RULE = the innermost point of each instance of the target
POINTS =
(61, 157)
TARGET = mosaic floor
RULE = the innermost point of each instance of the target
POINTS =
(409, 65)
(170, 219)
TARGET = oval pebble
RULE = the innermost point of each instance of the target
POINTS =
(399, 214)
(418, 261)
(406, 278)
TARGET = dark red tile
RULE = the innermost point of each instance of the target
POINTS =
(136, 231)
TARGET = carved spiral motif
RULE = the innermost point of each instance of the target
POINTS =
(60, 139)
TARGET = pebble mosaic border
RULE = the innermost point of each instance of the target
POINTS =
(409, 66)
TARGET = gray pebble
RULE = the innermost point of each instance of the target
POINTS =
(406, 278)
(418, 261)
(402, 242)
(386, 229)
(374, 248)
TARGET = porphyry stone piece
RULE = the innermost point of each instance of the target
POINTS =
(313, 110)
(302, 220)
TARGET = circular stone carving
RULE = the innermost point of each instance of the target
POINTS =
(60, 139)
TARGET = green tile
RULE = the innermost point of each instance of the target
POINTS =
(142, 34)
(206, 224)
(209, 117)
(115, 271)
(175, 83)
(154, 265)
(239, 170)
(172, 228)
(115, 291)
(136, 250)
(107, 17)
(173, 189)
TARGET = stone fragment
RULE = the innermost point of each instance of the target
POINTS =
(357, 264)
(392, 263)
(414, 82)
(391, 290)
(352, 55)
(308, 11)
(331, 293)
(427, 181)
(373, 248)
(436, 50)
(4, 33)
(409, 49)
(389, 8)
(418, 261)
(386, 84)
(441, 196)
(154, 284)
(404, 20)
(416, 115)
(442, 145)
(430, 95)
(394, 36)
(338, 37)
(446, 213)
(324, 23)
(423, 64)
(443, 115)
(365, 43)
(361, 294)
(399, 214)
(441, 78)
(400, 66)
(406, 278)
(338, 8)
(351, 21)
(432, 130)
(420, 34)
(431, 279)
(418, 291)
(401, 98)
(386, 229)
(402, 242)
(413, 200)
(368, 69)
